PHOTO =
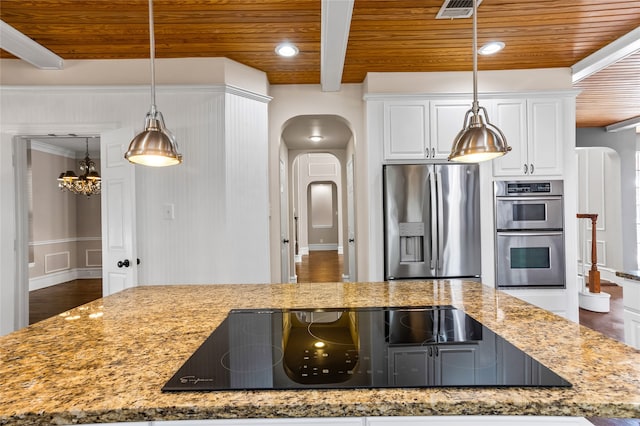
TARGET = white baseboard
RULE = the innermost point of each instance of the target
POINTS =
(304, 251)
(345, 278)
(55, 278)
(323, 247)
(297, 258)
(340, 250)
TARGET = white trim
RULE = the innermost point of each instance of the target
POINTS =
(167, 88)
(623, 125)
(340, 250)
(49, 255)
(28, 50)
(297, 258)
(49, 280)
(345, 278)
(335, 24)
(86, 257)
(304, 251)
(399, 96)
(323, 247)
(64, 241)
(610, 54)
(52, 149)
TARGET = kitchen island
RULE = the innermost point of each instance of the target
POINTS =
(107, 361)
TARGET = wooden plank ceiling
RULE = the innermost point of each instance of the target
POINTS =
(385, 36)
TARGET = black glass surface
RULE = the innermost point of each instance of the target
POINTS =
(428, 346)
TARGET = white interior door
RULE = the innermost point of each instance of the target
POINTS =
(284, 226)
(119, 258)
(351, 225)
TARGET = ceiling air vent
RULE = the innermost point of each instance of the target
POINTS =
(452, 9)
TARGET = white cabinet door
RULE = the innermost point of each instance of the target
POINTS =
(545, 136)
(533, 129)
(406, 129)
(347, 421)
(447, 119)
(510, 116)
(632, 328)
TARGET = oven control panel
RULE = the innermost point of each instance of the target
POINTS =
(528, 188)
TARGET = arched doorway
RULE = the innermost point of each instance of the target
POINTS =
(318, 149)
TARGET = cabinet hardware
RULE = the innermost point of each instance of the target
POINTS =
(124, 263)
(525, 169)
(531, 168)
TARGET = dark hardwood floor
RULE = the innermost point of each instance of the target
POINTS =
(611, 324)
(54, 300)
(320, 267)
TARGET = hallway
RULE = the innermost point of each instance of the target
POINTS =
(320, 267)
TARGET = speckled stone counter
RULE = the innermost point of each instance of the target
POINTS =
(106, 361)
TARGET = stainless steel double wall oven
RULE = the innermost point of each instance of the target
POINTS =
(529, 234)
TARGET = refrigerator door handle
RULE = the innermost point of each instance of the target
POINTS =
(439, 220)
(433, 205)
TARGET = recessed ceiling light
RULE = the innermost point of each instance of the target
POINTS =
(491, 47)
(287, 50)
(315, 138)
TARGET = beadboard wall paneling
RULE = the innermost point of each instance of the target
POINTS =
(247, 189)
(219, 193)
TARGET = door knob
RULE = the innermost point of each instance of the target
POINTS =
(351, 240)
(286, 241)
(124, 263)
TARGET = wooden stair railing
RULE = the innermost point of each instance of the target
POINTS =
(594, 274)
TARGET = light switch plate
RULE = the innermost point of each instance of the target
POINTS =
(168, 212)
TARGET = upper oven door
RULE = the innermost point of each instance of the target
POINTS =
(523, 213)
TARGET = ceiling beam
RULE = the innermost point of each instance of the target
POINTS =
(336, 21)
(608, 55)
(21, 46)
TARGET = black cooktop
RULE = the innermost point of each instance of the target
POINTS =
(381, 347)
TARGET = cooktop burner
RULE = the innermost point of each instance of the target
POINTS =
(381, 347)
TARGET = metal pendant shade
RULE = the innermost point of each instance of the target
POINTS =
(479, 140)
(155, 146)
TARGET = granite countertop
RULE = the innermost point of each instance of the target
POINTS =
(630, 275)
(106, 361)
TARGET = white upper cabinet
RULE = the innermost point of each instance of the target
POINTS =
(533, 129)
(406, 130)
(447, 119)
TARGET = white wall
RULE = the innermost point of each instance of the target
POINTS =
(599, 193)
(219, 192)
(623, 143)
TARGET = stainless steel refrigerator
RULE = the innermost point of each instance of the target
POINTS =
(432, 221)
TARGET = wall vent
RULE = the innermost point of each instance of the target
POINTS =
(452, 9)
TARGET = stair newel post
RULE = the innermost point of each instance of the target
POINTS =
(594, 274)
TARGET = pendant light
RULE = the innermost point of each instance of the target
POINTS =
(155, 146)
(479, 140)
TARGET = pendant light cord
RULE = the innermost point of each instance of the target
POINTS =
(475, 106)
(152, 49)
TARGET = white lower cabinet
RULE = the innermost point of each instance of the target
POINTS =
(328, 421)
(631, 301)
(389, 421)
(478, 421)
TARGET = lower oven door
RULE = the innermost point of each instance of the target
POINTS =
(530, 259)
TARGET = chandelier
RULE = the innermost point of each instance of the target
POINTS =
(88, 183)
